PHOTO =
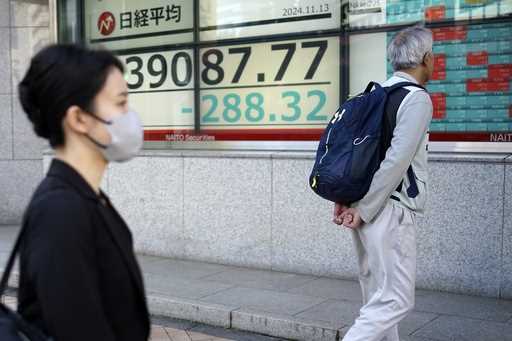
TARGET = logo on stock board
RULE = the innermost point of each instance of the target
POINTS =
(106, 23)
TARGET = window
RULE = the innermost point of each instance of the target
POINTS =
(269, 74)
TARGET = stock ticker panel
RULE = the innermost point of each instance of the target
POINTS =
(470, 88)
(400, 11)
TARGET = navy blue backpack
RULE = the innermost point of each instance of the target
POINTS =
(354, 144)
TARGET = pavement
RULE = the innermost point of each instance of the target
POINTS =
(232, 299)
(167, 329)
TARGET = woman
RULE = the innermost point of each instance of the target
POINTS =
(79, 278)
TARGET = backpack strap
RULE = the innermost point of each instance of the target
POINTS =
(370, 86)
(390, 89)
(394, 99)
(12, 258)
(10, 262)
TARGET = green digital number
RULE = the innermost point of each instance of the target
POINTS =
(254, 103)
(208, 117)
(232, 107)
(313, 116)
(295, 96)
(255, 111)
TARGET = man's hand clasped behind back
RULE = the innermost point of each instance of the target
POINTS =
(347, 216)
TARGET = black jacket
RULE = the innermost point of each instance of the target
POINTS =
(79, 278)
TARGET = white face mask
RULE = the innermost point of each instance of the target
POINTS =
(126, 136)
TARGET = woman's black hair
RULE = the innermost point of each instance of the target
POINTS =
(59, 77)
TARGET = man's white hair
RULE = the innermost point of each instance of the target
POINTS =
(408, 47)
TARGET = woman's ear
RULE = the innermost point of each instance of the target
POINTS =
(77, 120)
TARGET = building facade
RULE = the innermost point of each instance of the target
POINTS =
(228, 183)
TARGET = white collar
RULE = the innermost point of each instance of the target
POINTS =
(405, 75)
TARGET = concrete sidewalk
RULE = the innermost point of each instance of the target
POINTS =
(300, 307)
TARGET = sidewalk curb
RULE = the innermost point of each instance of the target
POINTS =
(283, 326)
(242, 319)
(180, 308)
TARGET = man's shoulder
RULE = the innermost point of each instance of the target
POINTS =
(418, 95)
(409, 93)
(416, 102)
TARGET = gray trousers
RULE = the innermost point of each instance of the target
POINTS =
(386, 252)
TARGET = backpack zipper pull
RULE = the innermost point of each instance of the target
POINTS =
(314, 182)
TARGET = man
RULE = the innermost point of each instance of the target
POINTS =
(383, 222)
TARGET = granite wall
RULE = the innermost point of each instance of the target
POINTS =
(255, 209)
(24, 29)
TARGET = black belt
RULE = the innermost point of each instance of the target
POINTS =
(395, 198)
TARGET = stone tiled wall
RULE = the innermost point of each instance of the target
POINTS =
(255, 209)
(24, 30)
(506, 280)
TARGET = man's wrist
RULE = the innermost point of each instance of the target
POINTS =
(362, 213)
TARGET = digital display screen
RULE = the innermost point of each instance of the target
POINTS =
(286, 90)
(368, 13)
(257, 83)
(471, 85)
